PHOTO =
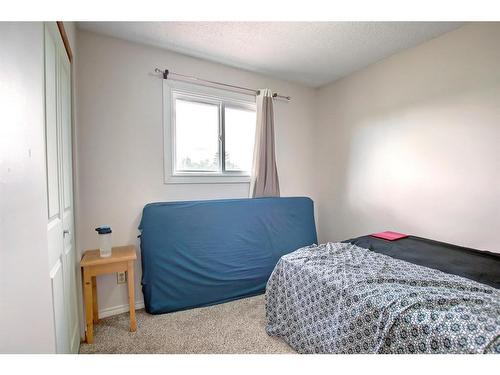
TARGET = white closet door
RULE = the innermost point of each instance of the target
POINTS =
(69, 259)
(62, 258)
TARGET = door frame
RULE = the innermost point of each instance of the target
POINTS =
(64, 36)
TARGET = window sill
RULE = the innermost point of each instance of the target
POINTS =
(204, 179)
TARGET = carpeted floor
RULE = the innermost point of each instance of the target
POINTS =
(233, 327)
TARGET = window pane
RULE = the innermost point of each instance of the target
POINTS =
(197, 136)
(240, 138)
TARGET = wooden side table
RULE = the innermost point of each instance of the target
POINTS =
(121, 260)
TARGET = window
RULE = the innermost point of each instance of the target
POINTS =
(209, 134)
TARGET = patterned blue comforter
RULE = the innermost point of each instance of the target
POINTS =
(340, 298)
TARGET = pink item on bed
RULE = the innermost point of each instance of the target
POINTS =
(389, 236)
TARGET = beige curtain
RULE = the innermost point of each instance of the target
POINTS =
(265, 174)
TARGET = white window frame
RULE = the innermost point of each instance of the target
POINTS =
(173, 90)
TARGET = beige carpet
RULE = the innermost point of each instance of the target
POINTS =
(233, 327)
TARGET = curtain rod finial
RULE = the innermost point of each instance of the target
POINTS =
(163, 72)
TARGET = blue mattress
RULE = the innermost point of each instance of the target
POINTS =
(200, 253)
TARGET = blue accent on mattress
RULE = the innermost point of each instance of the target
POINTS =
(201, 253)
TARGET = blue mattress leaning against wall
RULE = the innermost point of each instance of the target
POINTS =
(201, 253)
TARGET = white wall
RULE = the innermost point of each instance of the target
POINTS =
(120, 147)
(25, 296)
(412, 143)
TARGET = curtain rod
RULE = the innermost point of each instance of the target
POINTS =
(166, 75)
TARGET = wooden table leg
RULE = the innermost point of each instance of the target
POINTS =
(87, 287)
(131, 296)
(95, 308)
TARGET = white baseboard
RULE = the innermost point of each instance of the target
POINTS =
(115, 310)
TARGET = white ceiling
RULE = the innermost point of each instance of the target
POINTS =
(310, 53)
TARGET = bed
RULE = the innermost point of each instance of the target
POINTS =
(367, 295)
